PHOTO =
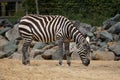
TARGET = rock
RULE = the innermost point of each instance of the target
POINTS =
(86, 26)
(115, 48)
(83, 31)
(93, 29)
(39, 45)
(106, 36)
(76, 23)
(117, 58)
(16, 55)
(13, 33)
(116, 17)
(38, 57)
(1, 54)
(36, 52)
(5, 23)
(103, 48)
(4, 30)
(90, 34)
(102, 55)
(116, 37)
(94, 47)
(51, 53)
(101, 43)
(3, 42)
(10, 48)
(109, 22)
(115, 29)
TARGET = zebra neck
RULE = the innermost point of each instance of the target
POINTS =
(77, 36)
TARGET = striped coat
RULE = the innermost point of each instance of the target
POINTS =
(48, 28)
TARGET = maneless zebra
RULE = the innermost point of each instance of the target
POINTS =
(48, 28)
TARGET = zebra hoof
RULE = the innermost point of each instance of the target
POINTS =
(26, 62)
(69, 63)
(86, 62)
(60, 63)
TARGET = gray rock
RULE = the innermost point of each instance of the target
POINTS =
(101, 43)
(1, 54)
(3, 42)
(51, 54)
(115, 48)
(76, 23)
(9, 49)
(4, 30)
(102, 55)
(39, 45)
(13, 33)
(36, 52)
(93, 29)
(116, 37)
(116, 17)
(16, 55)
(103, 48)
(86, 26)
(106, 36)
(5, 23)
(94, 47)
(38, 57)
(115, 29)
(109, 22)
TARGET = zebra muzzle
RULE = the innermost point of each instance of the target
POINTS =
(86, 62)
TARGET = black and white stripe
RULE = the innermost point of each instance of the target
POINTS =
(48, 28)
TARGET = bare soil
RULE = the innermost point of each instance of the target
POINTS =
(11, 69)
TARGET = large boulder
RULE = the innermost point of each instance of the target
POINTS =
(13, 33)
(16, 55)
(39, 45)
(102, 55)
(9, 48)
(109, 22)
(4, 30)
(115, 48)
(115, 29)
(5, 25)
(1, 54)
(51, 53)
(3, 42)
(106, 36)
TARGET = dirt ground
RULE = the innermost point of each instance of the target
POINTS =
(50, 70)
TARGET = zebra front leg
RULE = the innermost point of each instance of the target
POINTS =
(60, 51)
(67, 52)
(26, 55)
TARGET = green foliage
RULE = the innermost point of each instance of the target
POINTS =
(88, 11)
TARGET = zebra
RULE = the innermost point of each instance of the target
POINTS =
(48, 28)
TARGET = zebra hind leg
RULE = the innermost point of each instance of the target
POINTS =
(26, 55)
(67, 52)
(60, 51)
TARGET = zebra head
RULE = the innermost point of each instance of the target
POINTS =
(83, 49)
